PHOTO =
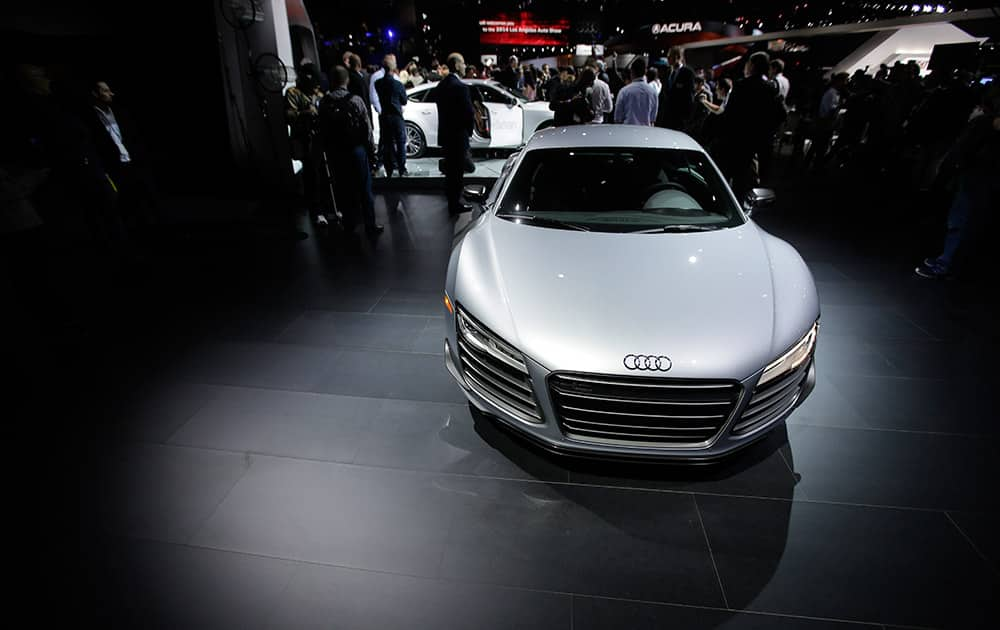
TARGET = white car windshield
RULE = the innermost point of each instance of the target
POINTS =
(619, 190)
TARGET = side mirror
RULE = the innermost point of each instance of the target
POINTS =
(475, 193)
(758, 198)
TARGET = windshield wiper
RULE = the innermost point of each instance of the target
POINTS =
(544, 221)
(683, 227)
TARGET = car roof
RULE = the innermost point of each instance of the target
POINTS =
(624, 136)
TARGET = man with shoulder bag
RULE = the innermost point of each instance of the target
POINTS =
(349, 144)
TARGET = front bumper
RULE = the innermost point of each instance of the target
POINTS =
(550, 436)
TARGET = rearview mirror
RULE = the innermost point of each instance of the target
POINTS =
(475, 193)
(758, 198)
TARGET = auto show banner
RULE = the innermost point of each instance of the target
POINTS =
(662, 34)
(523, 29)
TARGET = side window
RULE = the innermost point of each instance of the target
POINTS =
(417, 97)
(489, 95)
(498, 184)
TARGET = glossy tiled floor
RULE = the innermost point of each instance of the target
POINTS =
(276, 443)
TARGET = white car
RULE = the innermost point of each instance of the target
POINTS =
(504, 119)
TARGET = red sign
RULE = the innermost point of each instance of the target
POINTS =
(523, 29)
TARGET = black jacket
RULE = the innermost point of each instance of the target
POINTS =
(357, 85)
(676, 100)
(107, 150)
(391, 95)
(455, 114)
(752, 114)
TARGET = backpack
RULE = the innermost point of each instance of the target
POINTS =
(343, 126)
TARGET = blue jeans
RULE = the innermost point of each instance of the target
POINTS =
(971, 203)
(353, 186)
(393, 130)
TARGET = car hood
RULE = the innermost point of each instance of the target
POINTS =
(582, 301)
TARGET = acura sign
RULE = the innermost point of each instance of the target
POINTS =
(676, 27)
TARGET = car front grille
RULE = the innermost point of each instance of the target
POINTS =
(634, 411)
(772, 399)
(496, 371)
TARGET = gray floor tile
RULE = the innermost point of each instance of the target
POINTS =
(155, 412)
(156, 585)
(595, 614)
(355, 330)
(844, 562)
(272, 365)
(390, 375)
(428, 303)
(290, 424)
(893, 468)
(359, 600)
(431, 338)
(445, 438)
(162, 492)
(585, 540)
(333, 514)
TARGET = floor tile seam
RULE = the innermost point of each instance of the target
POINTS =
(496, 585)
(371, 314)
(910, 320)
(973, 436)
(787, 465)
(189, 417)
(413, 342)
(339, 346)
(711, 554)
(248, 459)
(968, 539)
(326, 394)
(426, 472)
(318, 392)
(379, 300)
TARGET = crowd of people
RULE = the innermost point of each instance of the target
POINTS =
(890, 120)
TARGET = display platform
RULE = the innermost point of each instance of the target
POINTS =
(424, 173)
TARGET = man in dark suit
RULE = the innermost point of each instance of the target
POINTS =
(121, 154)
(455, 123)
(752, 115)
(357, 83)
(392, 97)
(677, 94)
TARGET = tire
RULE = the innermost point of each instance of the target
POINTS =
(416, 141)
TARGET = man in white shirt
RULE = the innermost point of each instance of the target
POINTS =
(600, 95)
(637, 101)
(778, 76)
(829, 107)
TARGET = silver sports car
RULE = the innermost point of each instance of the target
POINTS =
(612, 297)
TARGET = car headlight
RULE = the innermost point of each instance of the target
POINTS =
(792, 359)
(473, 333)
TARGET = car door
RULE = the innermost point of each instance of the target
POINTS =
(505, 116)
(422, 113)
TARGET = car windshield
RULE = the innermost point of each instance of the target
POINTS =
(619, 190)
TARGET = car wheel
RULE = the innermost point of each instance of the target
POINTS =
(416, 142)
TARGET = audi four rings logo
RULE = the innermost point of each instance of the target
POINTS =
(648, 363)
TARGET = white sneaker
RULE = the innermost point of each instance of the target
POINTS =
(321, 220)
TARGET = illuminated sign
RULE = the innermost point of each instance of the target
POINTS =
(676, 27)
(523, 29)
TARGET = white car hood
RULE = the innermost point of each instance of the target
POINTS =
(582, 301)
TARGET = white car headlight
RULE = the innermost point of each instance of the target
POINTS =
(791, 359)
(473, 334)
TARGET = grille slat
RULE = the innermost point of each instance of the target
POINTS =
(498, 379)
(663, 413)
(567, 420)
(772, 400)
(643, 415)
(510, 381)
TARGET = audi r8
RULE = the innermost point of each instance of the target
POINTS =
(612, 296)
(504, 119)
